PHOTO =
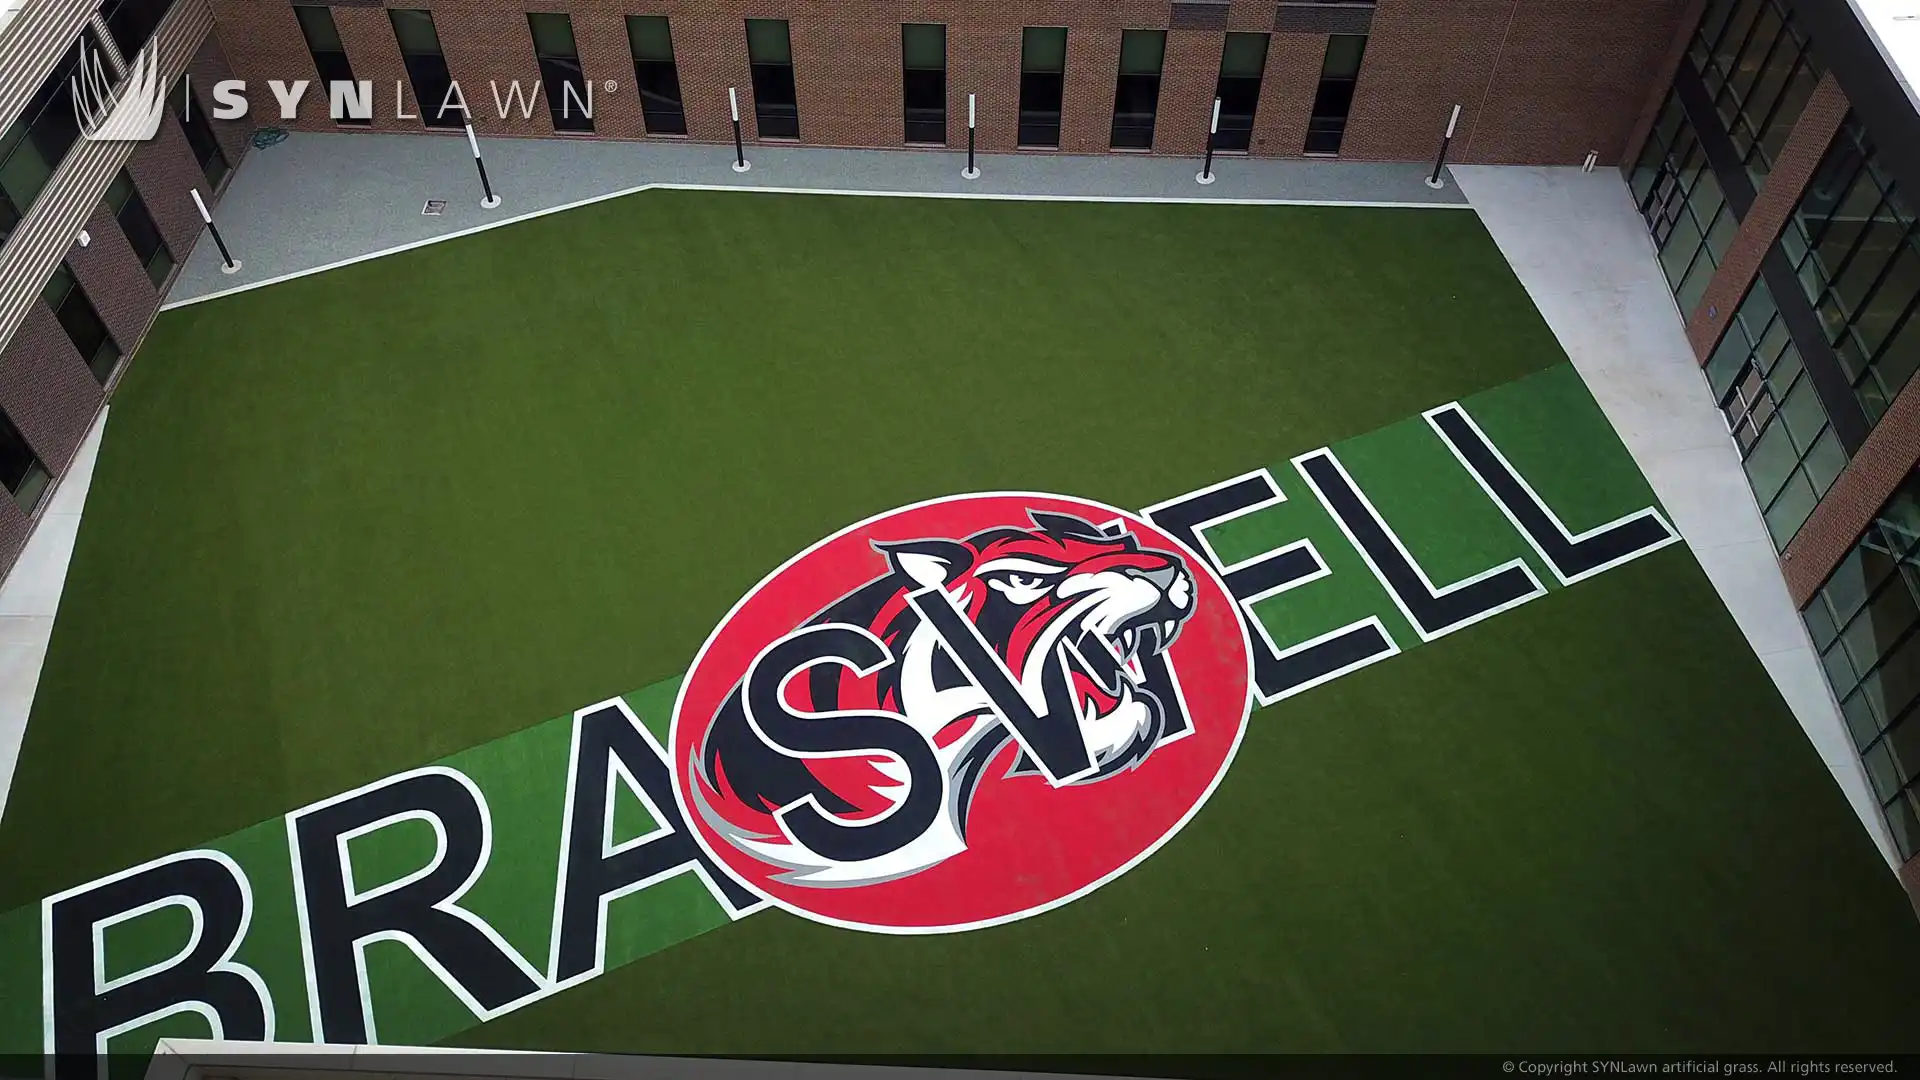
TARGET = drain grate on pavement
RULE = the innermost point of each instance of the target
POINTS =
(434, 207)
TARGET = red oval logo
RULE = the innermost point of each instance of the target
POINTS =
(961, 713)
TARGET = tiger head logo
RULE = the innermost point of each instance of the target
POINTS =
(884, 732)
(1077, 616)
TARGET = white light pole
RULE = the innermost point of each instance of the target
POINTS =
(488, 199)
(1434, 181)
(1213, 130)
(228, 264)
(971, 172)
(740, 163)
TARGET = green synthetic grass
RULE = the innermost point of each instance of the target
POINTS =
(358, 521)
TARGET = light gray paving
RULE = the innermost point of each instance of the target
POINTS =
(1581, 250)
(319, 199)
(31, 596)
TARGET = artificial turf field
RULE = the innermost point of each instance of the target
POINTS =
(406, 510)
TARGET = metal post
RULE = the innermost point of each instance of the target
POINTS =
(489, 200)
(228, 264)
(1440, 161)
(971, 172)
(740, 163)
(1213, 131)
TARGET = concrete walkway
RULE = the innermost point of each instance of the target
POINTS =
(1578, 245)
(321, 200)
(31, 596)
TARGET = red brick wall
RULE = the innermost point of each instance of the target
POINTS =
(1552, 78)
(1864, 486)
(1191, 75)
(1659, 81)
(46, 389)
(114, 280)
(1286, 93)
(164, 171)
(1798, 158)
(209, 66)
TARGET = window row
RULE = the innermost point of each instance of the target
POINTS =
(1852, 243)
(1863, 621)
(1683, 204)
(1791, 453)
(1756, 66)
(923, 79)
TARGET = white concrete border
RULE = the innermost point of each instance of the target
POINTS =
(988, 196)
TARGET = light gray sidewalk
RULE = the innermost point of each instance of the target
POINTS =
(1580, 248)
(317, 200)
(31, 596)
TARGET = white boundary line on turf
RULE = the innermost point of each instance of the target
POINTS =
(667, 186)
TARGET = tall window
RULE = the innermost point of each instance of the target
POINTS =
(1853, 244)
(1242, 61)
(1136, 92)
(427, 68)
(33, 146)
(132, 22)
(82, 323)
(193, 121)
(1791, 453)
(329, 55)
(776, 104)
(1684, 207)
(655, 73)
(569, 98)
(923, 90)
(148, 245)
(1755, 63)
(1043, 76)
(1863, 622)
(20, 469)
(1327, 124)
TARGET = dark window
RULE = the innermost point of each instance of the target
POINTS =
(654, 72)
(923, 62)
(569, 98)
(776, 108)
(1327, 124)
(440, 106)
(1242, 61)
(1774, 414)
(1684, 207)
(33, 146)
(330, 60)
(1853, 244)
(1863, 621)
(75, 312)
(1136, 92)
(1043, 73)
(1755, 63)
(193, 121)
(20, 469)
(138, 224)
(132, 23)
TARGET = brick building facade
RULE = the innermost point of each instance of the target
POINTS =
(1538, 82)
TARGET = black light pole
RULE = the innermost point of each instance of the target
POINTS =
(1440, 162)
(1213, 131)
(740, 163)
(489, 200)
(970, 172)
(228, 264)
